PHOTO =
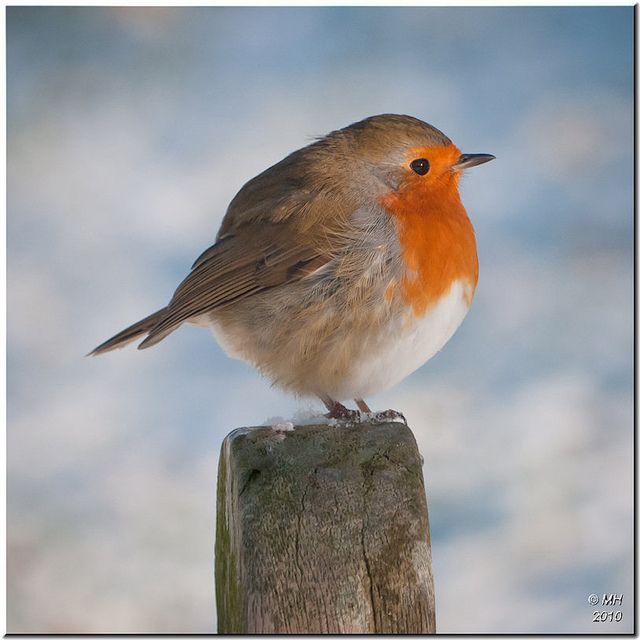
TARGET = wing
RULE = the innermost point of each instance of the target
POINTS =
(237, 266)
(282, 225)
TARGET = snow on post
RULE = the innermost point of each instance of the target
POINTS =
(323, 529)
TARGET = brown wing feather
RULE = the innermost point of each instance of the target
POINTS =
(281, 226)
(234, 268)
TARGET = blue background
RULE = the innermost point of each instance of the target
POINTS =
(130, 129)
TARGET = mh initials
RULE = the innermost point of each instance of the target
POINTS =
(610, 599)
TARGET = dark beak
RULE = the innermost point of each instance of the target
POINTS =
(467, 160)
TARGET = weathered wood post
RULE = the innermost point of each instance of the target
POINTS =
(323, 529)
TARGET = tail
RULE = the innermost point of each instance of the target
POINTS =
(135, 331)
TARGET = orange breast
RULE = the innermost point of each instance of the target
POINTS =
(437, 240)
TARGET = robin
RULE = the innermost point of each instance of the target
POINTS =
(341, 269)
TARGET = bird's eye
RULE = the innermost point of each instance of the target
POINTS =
(420, 166)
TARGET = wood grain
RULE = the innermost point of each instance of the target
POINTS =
(323, 529)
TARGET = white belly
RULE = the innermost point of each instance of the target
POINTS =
(406, 345)
(369, 362)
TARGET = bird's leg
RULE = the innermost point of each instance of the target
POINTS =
(337, 410)
(362, 405)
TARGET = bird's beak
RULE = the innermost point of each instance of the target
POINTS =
(467, 160)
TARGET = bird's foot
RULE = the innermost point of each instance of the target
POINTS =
(342, 414)
(338, 411)
(388, 415)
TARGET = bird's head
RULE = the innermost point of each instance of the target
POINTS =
(388, 154)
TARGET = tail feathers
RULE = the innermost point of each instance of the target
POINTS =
(155, 337)
(135, 331)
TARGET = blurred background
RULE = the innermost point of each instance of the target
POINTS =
(130, 129)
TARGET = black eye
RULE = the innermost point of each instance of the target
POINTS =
(420, 166)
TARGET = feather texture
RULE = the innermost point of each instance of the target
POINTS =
(329, 258)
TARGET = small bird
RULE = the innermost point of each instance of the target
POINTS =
(339, 270)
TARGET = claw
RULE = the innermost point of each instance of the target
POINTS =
(389, 415)
(340, 412)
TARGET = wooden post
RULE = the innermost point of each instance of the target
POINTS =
(323, 529)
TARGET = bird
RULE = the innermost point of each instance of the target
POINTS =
(339, 270)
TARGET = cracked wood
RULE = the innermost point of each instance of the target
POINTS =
(323, 530)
